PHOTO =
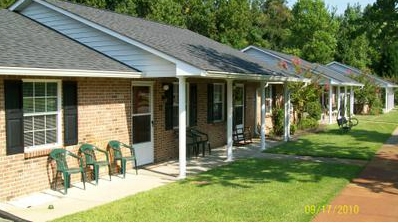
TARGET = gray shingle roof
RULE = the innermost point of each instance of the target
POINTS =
(25, 43)
(182, 44)
(318, 68)
(348, 70)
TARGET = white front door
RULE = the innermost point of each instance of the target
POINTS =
(142, 119)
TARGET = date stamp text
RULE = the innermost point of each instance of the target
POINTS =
(332, 209)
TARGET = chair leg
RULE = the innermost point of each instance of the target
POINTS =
(135, 166)
(110, 173)
(96, 173)
(56, 180)
(66, 182)
(124, 167)
(84, 179)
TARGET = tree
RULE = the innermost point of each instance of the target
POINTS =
(6, 3)
(381, 24)
(167, 11)
(313, 31)
(353, 46)
(200, 17)
(232, 18)
(278, 18)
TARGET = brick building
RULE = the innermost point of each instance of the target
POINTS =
(71, 74)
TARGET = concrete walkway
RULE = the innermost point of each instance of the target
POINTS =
(35, 207)
(373, 196)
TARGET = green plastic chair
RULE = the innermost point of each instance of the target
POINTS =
(89, 152)
(60, 157)
(116, 147)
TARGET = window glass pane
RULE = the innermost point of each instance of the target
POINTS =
(51, 136)
(28, 139)
(51, 104)
(217, 111)
(28, 123)
(51, 121)
(141, 128)
(238, 96)
(141, 100)
(40, 89)
(51, 89)
(40, 104)
(27, 89)
(39, 138)
(217, 93)
(28, 105)
(39, 123)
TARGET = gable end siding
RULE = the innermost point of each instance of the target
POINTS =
(149, 64)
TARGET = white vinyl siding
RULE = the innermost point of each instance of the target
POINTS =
(148, 63)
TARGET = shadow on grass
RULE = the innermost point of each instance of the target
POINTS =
(355, 144)
(245, 173)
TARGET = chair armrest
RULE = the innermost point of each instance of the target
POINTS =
(102, 151)
(131, 148)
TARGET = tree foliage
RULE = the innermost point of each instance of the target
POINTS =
(363, 38)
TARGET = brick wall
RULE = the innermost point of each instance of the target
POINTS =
(104, 113)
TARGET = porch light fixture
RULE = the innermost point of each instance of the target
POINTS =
(166, 87)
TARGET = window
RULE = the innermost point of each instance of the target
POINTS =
(172, 105)
(41, 112)
(216, 104)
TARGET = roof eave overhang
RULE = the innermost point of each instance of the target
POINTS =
(253, 76)
(25, 71)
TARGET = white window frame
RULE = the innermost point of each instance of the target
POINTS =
(58, 113)
(222, 101)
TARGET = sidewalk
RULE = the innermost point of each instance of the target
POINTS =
(374, 193)
(35, 206)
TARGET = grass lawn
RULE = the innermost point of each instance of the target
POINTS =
(360, 143)
(245, 190)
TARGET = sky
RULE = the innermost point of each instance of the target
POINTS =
(340, 4)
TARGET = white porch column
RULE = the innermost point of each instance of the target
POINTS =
(182, 127)
(386, 100)
(351, 101)
(330, 102)
(262, 130)
(345, 100)
(286, 125)
(229, 120)
(338, 102)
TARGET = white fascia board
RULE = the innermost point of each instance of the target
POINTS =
(25, 71)
(114, 34)
(182, 69)
(241, 76)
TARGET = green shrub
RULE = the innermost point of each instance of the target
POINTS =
(314, 110)
(307, 123)
(277, 121)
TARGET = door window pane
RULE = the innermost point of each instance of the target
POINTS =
(141, 129)
(141, 100)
